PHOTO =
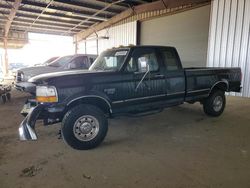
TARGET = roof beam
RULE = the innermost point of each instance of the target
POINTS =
(53, 22)
(66, 6)
(40, 29)
(16, 22)
(51, 10)
(39, 15)
(63, 7)
(54, 17)
(49, 20)
(102, 3)
(11, 16)
(98, 12)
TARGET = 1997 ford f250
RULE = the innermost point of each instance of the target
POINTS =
(124, 80)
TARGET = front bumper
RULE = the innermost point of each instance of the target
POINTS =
(27, 127)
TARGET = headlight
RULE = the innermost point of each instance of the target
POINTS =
(46, 94)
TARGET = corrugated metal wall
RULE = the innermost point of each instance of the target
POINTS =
(186, 31)
(123, 34)
(229, 38)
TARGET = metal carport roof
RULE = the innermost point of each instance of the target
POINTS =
(59, 16)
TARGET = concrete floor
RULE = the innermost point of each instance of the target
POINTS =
(180, 147)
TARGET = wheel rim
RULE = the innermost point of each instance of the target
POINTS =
(217, 104)
(86, 128)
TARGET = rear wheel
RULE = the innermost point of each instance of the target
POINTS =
(84, 127)
(214, 105)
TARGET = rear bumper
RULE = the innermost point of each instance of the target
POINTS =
(27, 127)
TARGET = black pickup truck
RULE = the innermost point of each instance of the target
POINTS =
(125, 80)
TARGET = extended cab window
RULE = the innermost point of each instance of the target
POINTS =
(140, 58)
(170, 59)
(110, 60)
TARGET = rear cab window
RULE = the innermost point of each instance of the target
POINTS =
(170, 59)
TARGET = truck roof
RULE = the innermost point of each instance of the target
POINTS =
(144, 46)
(140, 46)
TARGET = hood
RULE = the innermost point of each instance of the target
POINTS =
(34, 71)
(61, 74)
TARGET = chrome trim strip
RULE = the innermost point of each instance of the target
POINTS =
(139, 98)
(199, 90)
(176, 93)
(149, 97)
(95, 96)
(208, 68)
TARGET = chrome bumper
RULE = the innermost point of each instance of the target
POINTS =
(27, 127)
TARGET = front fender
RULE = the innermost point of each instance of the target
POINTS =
(91, 94)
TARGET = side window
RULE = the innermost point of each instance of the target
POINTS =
(140, 59)
(170, 59)
(80, 62)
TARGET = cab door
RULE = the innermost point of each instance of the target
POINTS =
(148, 81)
(175, 76)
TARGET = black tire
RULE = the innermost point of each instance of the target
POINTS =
(210, 105)
(8, 95)
(73, 128)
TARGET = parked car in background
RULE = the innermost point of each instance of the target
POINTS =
(65, 63)
(13, 67)
(127, 80)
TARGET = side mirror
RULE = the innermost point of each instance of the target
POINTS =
(143, 65)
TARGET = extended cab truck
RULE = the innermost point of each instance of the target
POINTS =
(126, 80)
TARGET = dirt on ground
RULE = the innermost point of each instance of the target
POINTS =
(179, 147)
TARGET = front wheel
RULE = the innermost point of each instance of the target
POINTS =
(214, 105)
(84, 127)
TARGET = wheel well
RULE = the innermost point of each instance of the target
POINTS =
(100, 103)
(220, 86)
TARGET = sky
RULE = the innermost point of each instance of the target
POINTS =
(40, 48)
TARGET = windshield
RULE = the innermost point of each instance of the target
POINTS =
(111, 60)
(50, 60)
(60, 61)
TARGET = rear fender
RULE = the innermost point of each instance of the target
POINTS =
(222, 85)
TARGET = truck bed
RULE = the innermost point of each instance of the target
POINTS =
(200, 81)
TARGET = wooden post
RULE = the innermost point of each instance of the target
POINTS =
(5, 60)
(76, 47)
(10, 19)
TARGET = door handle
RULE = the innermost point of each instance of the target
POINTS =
(159, 76)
